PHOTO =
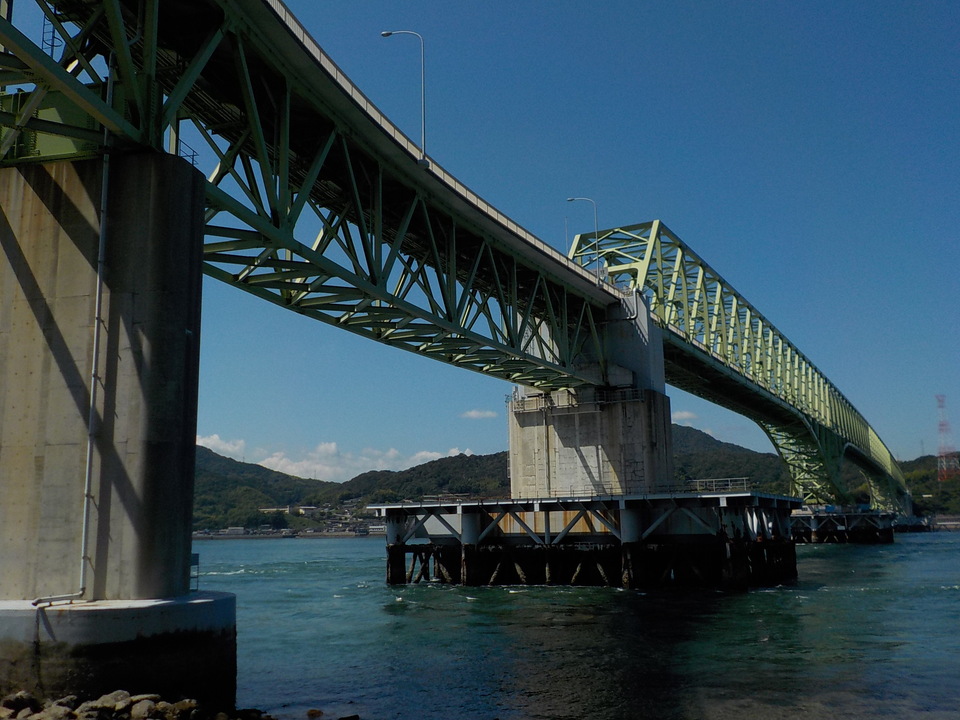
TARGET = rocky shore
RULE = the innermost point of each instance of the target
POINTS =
(121, 705)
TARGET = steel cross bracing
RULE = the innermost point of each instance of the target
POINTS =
(314, 200)
(578, 516)
(719, 347)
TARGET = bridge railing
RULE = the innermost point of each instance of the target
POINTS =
(713, 485)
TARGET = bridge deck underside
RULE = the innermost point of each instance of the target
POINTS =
(317, 203)
(696, 373)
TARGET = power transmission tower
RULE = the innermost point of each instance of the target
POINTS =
(948, 464)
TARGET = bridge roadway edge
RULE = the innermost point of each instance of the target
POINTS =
(95, 554)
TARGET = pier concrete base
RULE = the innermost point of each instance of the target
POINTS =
(184, 647)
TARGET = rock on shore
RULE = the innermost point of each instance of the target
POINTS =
(121, 705)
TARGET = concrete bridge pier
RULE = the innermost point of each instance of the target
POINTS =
(612, 442)
(100, 269)
(590, 442)
(612, 438)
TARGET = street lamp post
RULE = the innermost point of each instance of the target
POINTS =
(423, 102)
(596, 229)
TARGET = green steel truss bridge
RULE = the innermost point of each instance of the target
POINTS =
(316, 202)
(719, 347)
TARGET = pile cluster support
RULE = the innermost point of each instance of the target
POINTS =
(726, 540)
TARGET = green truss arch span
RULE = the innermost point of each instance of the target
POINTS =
(721, 348)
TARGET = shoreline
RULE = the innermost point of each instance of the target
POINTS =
(118, 705)
(122, 705)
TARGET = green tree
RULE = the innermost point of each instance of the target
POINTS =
(277, 520)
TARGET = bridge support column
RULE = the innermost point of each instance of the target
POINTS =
(611, 438)
(97, 492)
(597, 442)
(631, 546)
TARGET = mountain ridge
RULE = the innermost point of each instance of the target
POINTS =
(230, 492)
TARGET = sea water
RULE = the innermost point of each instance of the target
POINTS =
(866, 632)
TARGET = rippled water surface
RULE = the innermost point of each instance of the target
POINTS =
(867, 632)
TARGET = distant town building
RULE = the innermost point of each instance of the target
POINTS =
(301, 510)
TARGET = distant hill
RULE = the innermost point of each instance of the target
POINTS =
(688, 440)
(474, 475)
(229, 492)
(697, 455)
(929, 496)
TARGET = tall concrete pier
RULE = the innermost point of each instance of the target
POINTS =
(99, 351)
(612, 439)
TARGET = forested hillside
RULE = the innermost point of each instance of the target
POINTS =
(230, 493)
(929, 496)
(473, 475)
(698, 456)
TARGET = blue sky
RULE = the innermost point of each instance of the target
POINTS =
(810, 152)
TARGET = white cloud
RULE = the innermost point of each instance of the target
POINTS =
(478, 414)
(327, 462)
(426, 456)
(230, 448)
(684, 416)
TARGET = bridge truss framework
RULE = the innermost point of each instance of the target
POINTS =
(317, 203)
(719, 347)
